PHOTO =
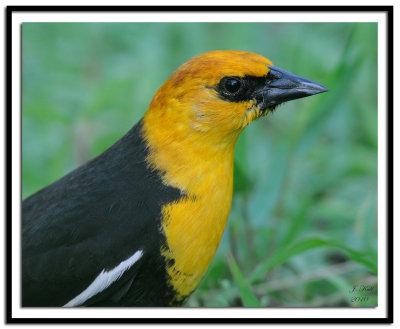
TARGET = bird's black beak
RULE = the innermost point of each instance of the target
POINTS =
(282, 86)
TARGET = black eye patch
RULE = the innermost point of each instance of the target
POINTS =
(239, 89)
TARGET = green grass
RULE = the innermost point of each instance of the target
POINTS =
(303, 225)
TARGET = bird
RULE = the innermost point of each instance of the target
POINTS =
(139, 224)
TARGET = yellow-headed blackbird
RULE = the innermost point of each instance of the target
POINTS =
(139, 224)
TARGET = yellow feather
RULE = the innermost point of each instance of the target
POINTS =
(191, 133)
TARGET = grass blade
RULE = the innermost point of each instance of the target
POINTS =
(249, 299)
(283, 254)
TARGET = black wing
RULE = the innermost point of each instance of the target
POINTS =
(90, 221)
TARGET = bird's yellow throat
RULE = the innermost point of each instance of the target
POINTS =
(194, 225)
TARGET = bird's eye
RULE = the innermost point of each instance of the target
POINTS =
(233, 89)
(232, 85)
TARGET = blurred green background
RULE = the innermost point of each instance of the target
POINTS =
(303, 225)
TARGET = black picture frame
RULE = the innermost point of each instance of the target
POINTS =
(388, 10)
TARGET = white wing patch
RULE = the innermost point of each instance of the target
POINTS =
(104, 280)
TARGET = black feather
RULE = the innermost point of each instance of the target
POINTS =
(93, 219)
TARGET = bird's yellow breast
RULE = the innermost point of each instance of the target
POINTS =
(194, 224)
(194, 228)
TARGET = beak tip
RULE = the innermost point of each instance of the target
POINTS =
(313, 88)
(321, 89)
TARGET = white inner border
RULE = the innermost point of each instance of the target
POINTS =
(378, 312)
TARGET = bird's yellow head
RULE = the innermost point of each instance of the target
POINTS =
(217, 94)
(208, 94)
(208, 101)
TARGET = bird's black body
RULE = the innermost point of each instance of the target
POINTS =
(92, 220)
